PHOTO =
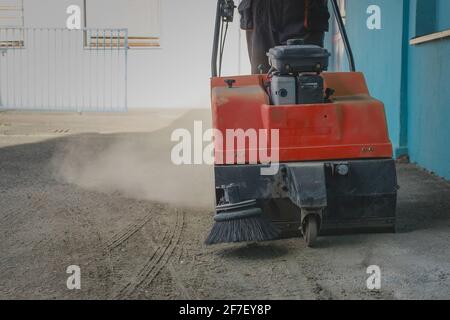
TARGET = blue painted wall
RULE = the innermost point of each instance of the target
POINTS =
(412, 81)
(428, 94)
(443, 15)
(378, 53)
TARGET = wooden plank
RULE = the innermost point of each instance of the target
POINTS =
(121, 37)
(122, 44)
(430, 37)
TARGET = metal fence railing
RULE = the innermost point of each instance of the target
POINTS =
(53, 69)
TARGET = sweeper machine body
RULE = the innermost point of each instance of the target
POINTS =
(336, 168)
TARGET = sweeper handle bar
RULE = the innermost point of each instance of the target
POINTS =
(217, 30)
(216, 41)
(224, 13)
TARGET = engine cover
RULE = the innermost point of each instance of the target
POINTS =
(301, 89)
(310, 89)
(283, 90)
(294, 59)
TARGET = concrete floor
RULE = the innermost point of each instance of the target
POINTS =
(99, 191)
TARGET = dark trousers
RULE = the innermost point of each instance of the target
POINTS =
(276, 21)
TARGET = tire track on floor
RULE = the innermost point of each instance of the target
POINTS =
(123, 236)
(158, 260)
(10, 219)
(303, 270)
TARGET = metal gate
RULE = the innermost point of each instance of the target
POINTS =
(51, 69)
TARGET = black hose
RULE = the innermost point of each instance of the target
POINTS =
(340, 22)
(222, 46)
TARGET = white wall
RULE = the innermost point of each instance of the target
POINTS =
(178, 73)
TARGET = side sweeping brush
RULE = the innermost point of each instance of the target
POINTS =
(241, 222)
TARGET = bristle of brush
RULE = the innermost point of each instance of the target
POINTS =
(243, 230)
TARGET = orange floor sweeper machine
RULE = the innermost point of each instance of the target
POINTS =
(334, 170)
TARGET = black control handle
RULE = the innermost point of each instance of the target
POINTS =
(230, 83)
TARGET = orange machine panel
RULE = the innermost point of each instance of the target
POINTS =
(352, 126)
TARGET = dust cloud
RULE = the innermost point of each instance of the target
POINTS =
(137, 165)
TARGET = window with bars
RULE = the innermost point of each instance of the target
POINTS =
(140, 17)
(11, 24)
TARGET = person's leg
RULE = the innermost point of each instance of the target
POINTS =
(261, 39)
(260, 46)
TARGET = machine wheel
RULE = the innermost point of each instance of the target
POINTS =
(311, 230)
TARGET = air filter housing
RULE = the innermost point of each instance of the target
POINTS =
(295, 59)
